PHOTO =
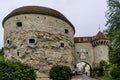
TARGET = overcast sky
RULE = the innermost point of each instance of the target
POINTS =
(85, 15)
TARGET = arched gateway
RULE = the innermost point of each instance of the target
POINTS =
(84, 67)
(92, 50)
(43, 37)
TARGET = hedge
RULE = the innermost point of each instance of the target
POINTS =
(60, 72)
(15, 70)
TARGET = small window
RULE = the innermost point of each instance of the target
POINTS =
(62, 44)
(66, 31)
(44, 17)
(38, 17)
(36, 69)
(17, 53)
(32, 41)
(19, 24)
(25, 16)
(16, 17)
(101, 42)
(86, 52)
(8, 41)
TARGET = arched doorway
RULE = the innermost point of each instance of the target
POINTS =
(84, 68)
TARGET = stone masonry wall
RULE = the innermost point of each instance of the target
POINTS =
(87, 49)
(41, 41)
(100, 53)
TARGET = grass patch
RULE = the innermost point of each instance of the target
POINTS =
(105, 78)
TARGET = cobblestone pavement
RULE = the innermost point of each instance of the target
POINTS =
(76, 78)
(83, 77)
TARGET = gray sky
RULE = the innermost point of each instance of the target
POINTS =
(85, 15)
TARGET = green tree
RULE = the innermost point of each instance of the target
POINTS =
(15, 70)
(103, 67)
(115, 72)
(113, 30)
(60, 72)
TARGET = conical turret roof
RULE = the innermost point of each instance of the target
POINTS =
(100, 35)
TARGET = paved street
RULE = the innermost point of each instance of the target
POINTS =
(83, 77)
(76, 78)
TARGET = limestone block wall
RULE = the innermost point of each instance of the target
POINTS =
(84, 52)
(39, 40)
(100, 53)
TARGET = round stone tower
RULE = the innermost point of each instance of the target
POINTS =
(101, 44)
(40, 37)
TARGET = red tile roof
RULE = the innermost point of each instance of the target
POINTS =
(99, 36)
(82, 39)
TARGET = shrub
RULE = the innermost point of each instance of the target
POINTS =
(103, 66)
(115, 72)
(15, 70)
(103, 63)
(60, 72)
